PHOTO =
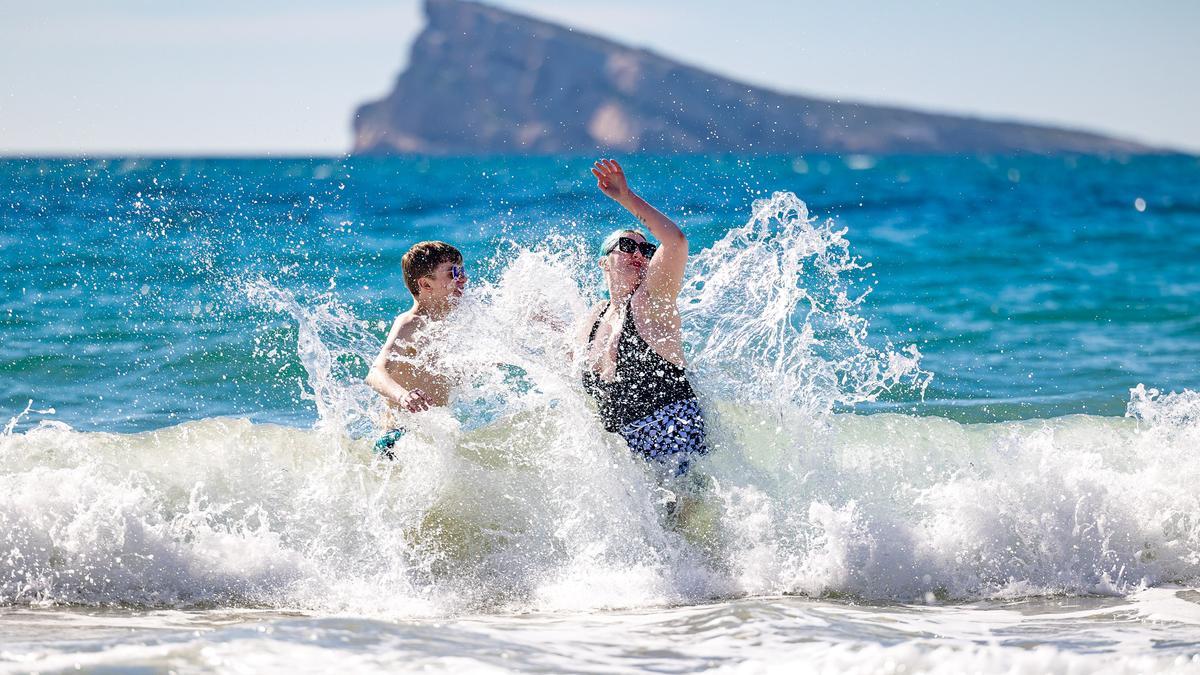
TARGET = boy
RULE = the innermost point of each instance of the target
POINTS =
(433, 272)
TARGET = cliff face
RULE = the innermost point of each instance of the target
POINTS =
(485, 81)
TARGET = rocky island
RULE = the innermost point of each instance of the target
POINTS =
(481, 80)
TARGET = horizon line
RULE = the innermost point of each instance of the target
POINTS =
(291, 155)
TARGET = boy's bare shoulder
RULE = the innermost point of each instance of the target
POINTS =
(406, 328)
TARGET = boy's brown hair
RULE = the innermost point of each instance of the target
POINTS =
(423, 258)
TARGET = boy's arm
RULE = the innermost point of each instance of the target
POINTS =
(399, 341)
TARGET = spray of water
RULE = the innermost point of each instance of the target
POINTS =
(516, 499)
(774, 318)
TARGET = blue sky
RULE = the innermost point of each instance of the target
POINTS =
(275, 77)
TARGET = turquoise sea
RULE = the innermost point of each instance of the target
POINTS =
(954, 399)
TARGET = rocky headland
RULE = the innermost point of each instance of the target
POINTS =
(481, 80)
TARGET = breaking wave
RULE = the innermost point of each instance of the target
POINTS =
(516, 499)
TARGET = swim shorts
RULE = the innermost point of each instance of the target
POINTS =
(384, 445)
(672, 435)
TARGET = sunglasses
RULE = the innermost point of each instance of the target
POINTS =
(627, 245)
(456, 272)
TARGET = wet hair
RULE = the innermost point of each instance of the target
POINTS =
(611, 240)
(423, 258)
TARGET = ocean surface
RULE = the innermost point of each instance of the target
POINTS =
(954, 404)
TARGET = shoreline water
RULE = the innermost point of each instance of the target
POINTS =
(1154, 630)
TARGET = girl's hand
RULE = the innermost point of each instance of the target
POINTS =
(610, 178)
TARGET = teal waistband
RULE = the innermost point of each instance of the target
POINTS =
(384, 445)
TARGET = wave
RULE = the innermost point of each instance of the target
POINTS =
(877, 507)
(515, 499)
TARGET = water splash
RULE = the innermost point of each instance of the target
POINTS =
(329, 338)
(774, 317)
(1155, 409)
(16, 419)
(517, 500)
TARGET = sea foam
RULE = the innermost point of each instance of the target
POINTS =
(516, 499)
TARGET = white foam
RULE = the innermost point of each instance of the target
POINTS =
(762, 635)
(520, 501)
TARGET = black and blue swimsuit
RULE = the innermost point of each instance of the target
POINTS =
(649, 402)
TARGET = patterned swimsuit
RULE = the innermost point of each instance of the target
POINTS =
(649, 402)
